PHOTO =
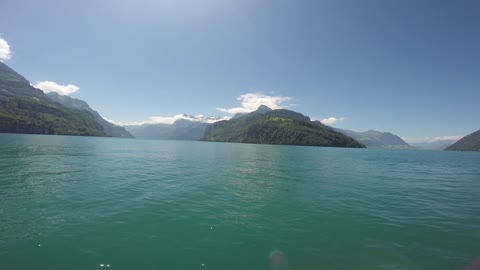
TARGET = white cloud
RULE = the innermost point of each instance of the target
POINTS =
(171, 119)
(5, 52)
(332, 120)
(251, 101)
(431, 139)
(111, 121)
(64, 90)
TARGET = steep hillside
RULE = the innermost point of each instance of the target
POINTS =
(25, 109)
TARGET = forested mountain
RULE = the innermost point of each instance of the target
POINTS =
(25, 109)
(266, 126)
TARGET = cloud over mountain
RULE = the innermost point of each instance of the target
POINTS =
(49, 86)
(5, 52)
(251, 101)
(332, 120)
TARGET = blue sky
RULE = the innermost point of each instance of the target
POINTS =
(408, 67)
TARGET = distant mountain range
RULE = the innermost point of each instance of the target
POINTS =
(266, 126)
(436, 145)
(25, 109)
(110, 129)
(181, 129)
(190, 128)
(471, 142)
(377, 139)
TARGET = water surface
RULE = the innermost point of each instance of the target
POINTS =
(79, 202)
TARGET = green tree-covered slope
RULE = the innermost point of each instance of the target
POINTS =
(25, 109)
(276, 127)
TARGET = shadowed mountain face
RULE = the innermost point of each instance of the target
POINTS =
(470, 142)
(109, 128)
(25, 109)
(377, 139)
(266, 126)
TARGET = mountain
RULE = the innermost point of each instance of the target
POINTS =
(266, 126)
(377, 139)
(149, 131)
(110, 129)
(181, 129)
(437, 145)
(25, 109)
(470, 142)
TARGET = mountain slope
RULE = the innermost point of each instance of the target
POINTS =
(73, 103)
(471, 142)
(377, 139)
(25, 109)
(266, 126)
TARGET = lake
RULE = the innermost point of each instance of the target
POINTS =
(88, 203)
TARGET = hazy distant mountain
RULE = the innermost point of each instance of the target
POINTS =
(471, 142)
(109, 128)
(266, 126)
(149, 131)
(181, 129)
(377, 139)
(25, 109)
(437, 145)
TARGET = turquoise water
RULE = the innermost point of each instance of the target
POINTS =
(79, 202)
